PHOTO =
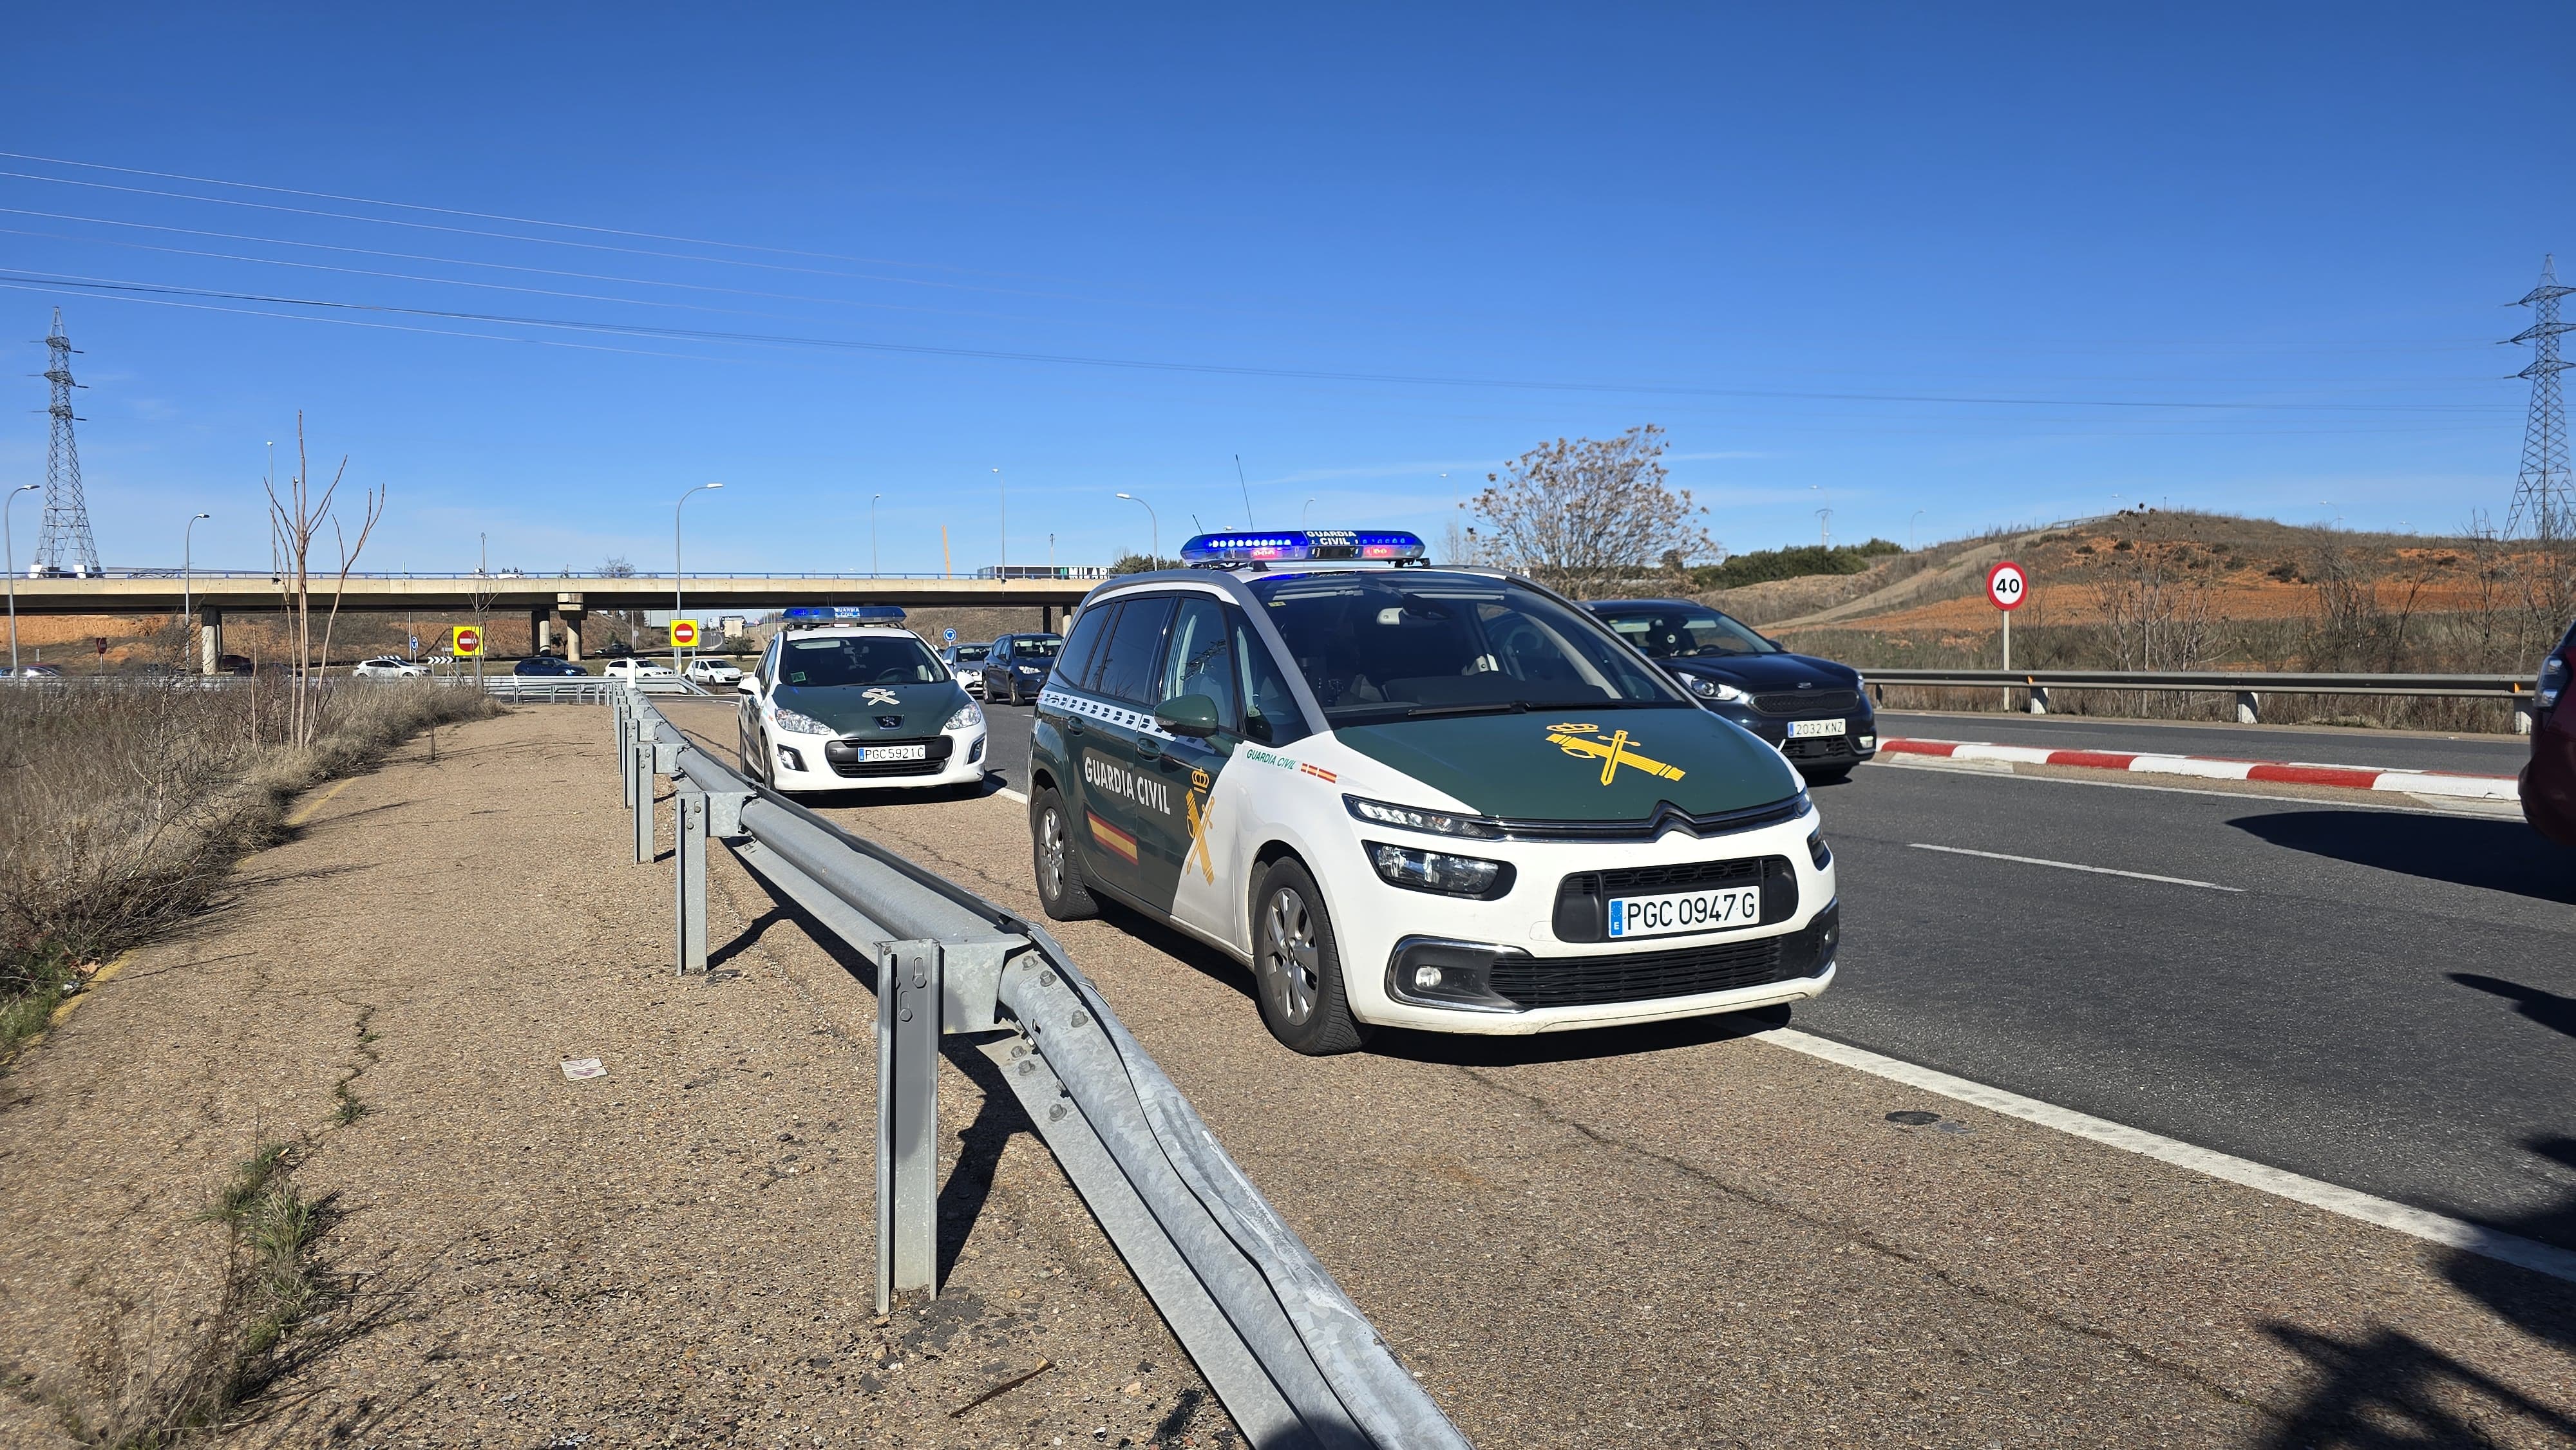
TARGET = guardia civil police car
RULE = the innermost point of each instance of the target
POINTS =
(837, 706)
(1412, 797)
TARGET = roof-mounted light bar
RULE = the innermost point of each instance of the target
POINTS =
(844, 614)
(1293, 546)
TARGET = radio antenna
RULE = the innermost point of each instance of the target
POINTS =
(1247, 493)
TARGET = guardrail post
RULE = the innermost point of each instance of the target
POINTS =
(2249, 708)
(908, 991)
(2039, 699)
(2522, 717)
(689, 869)
(639, 769)
(625, 748)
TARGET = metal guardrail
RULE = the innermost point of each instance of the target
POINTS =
(1293, 1359)
(2248, 686)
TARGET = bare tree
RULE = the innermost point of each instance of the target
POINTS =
(295, 522)
(616, 567)
(2156, 607)
(1583, 515)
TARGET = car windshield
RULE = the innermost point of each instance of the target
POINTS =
(1041, 646)
(1391, 646)
(968, 654)
(859, 659)
(1683, 631)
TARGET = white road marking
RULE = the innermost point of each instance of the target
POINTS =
(2436, 1228)
(2072, 866)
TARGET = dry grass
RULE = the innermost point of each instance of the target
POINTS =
(124, 806)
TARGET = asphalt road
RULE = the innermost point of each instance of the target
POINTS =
(2386, 1002)
(2393, 749)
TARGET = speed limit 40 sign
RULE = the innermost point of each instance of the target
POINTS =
(2006, 585)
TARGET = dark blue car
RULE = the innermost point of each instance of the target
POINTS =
(547, 665)
(1815, 712)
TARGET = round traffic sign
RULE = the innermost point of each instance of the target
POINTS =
(684, 634)
(2006, 585)
(469, 640)
(948, 636)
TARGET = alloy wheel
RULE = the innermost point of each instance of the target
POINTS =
(1051, 854)
(1291, 968)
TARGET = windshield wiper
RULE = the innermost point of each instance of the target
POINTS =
(1489, 707)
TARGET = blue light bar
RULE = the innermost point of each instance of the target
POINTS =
(1277, 546)
(844, 614)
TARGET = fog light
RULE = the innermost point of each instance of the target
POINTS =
(977, 753)
(1869, 742)
(1425, 978)
(788, 757)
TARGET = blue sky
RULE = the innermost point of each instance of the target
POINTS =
(1931, 268)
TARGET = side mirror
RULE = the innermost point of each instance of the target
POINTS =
(1190, 715)
(746, 686)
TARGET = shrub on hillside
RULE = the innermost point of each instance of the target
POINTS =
(1764, 565)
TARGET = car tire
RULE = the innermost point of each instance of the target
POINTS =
(1828, 775)
(1057, 861)
(1297, 966)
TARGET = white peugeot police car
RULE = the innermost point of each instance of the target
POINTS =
(1410, 797)
(836, 706)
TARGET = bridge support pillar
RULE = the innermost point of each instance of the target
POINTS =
(210, 640)
(566, 620)
(1046, 619)
(538, 620)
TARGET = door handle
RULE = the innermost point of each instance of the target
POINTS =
(1149, 747)
(1072, 727)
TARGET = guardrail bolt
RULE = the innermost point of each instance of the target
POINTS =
(1079, 1018)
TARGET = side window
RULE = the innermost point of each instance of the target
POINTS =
(1135, 643)
(1082, 647)
(769, 660)
(1199, 662)
(1270, 712)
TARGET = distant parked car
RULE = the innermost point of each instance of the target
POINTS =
(233, 665)
(547, 665)
(706, 670)
(616, 648)
(1813, 711)
(40, 672)
(635, 670)
(966, 662)
(387, 667)
(2549, 781)
(1019, 664)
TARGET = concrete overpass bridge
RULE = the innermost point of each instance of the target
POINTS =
(555, 604)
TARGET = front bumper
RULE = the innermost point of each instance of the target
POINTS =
(1858, 742)
(1519, 964)
(811, 763)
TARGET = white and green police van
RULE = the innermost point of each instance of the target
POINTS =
(1445, 799)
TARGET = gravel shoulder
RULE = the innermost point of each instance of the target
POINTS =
(675, 1253)
(1685, 1236)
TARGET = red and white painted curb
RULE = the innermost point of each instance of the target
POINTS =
(2206, 767)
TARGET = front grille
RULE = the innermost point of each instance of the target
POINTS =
(1823, 747)
(1808, 702)
(1640, 977)
(843, 754)
(1580, 914)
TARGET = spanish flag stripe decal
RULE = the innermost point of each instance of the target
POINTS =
(1111, 837)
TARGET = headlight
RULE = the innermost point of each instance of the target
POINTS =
(1028, 669)
(965, 718)
(795, 724)
(1435, 871)
(1718, 690)
(2553, 680)
(1438, 823)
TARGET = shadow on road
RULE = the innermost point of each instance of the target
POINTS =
(2550, 1010)
(2500, 855)
(2388, 1388)
(1459, 1050)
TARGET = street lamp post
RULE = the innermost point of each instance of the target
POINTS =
(187, 583)
(875, 568)
(9, 547)
(1002, 571)
(1154, 523)
(675, 557)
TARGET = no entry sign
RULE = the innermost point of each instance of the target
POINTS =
(2006, 585)
(468, 642)
(684, 634)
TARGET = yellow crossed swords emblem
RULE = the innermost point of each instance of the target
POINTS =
(1198, 829)
(1611, 750)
